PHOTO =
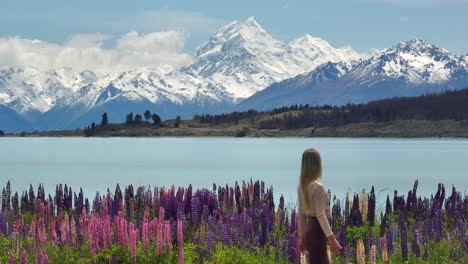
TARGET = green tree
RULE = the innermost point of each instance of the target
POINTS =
(147, 115)
(129, 119)
(177, 122)
(104, 120)
(138, 118)
(156, 119)
(2, 133)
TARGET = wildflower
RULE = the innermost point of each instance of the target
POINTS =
(210, 241)
(404, 240)
(360, 253)
(52, 232)
(23, 256)
(133, 241)
(373, 254)
(180, 241)
(159, 238)
(40, 232)
(167, 237)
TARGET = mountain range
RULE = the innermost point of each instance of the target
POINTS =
(240, 67)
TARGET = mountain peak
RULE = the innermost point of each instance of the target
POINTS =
(310, 41)
(413, 43)
(251, 21)
(236, 32)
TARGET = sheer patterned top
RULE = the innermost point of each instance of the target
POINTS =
(318, 206)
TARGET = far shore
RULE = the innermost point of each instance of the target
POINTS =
(189, 128)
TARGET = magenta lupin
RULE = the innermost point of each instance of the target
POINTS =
(24, 256)
(180, 241)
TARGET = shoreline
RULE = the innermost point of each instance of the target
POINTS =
(192, 129)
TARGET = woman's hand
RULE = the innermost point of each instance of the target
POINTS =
(300, 244)
(335, 246)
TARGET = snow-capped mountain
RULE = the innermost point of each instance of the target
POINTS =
(244, 58)
(409, 68)
(239, 60)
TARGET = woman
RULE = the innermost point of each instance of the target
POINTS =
(314, 228)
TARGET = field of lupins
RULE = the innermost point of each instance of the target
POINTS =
(228, 224)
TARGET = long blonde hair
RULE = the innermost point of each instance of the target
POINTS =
(311, 170)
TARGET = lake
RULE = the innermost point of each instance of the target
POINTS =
(349, 164)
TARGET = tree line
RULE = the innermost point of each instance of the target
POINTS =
(446, 105)
(149, 118)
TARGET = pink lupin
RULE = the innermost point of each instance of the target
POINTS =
(11, 258)
(161, 214)
(45, 258)
(23, 256)
(73, 231)
(32, 228)
(180, 241)
(53, 233)
(145, 231)
(167, 237)
(65, 230)
(159, 238)
(39, 258)
(40, 232)
(133, 241)
(106, 224)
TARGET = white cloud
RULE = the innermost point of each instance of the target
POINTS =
(86, 51)
(87, 40)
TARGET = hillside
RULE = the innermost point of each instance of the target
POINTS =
(432, 115)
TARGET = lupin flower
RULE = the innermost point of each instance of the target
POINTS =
(383, 243)
(210, 243)
(133, 241)
(24, 256)
(167, 237)
(293, 221)
(65, 230)
(293, 252)
(11, 258)
(404, 240)
(40, 232)
(159, 238)
(415, 241)
(360, 252)
(180, 242)
(52, 232)
(373, 254)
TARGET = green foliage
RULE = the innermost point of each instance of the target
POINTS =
(242, 132)
(177, 122)
(156, 119)
(357, 232)
(104, 120)
(234, 255)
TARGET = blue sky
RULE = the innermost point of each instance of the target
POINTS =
(361, 24)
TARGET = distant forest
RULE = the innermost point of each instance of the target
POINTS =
(447, 105)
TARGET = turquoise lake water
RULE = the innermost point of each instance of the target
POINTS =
(349, 164)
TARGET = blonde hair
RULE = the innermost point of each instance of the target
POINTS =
(311, 170)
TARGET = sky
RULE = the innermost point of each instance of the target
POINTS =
(114, 32)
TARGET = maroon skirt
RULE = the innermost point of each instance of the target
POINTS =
(315, 241)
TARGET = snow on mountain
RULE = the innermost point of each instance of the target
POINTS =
(409, 68)
(414, 61)
(239, 60)
(29, 89)
(244, 58)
